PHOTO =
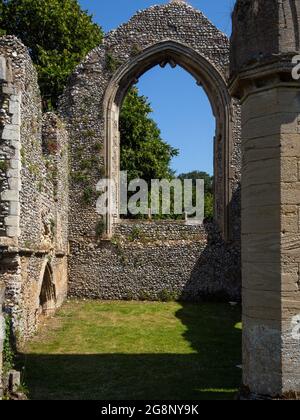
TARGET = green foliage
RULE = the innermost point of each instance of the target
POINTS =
(143, 152)
(52, 226)
(136, 50)
(145, 155)
(208, 180)
(4, 165)
(58, 34)
(8, 353)
(209, 206)
(79, 177)
(112, 63)
(100, 228)
(98, 147)
(2, 31)
(23, 156)
(168, 296)
(130, 296)
(34, 169)
(84, 176)
(208, 190)
(135, 235)
(88, 195)
(145, 296)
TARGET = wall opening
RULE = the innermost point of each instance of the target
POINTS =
(213, 83)
(167, 131)
(47, 298)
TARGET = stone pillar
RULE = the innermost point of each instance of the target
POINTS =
(10, 151)
(2, 336)
(265, 38)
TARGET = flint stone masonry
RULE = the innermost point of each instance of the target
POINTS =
(33, 192)
(177, 34)
(156, 261)
(48, 233)
(2, 335)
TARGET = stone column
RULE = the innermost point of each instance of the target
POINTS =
(10, 149)
(261, 65)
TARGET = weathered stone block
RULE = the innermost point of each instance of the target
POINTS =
(262, 219)
(261, 248)
(12, 221)
(290, 218)
(2, 68)
(10, 195)
(262, 372)
(254, 150)
(14, 208)
(14, 381)
(289, 169)
(16, 164)
(15, 184)
(290, 145)
(266, 301)
(11, 132)
(260, 195)
(263, 276)
(9, 90)
(14, 107)
(290, 246)
(290, 193)
(262, 172)
(17, 146)
(13, 231)
(13, 173)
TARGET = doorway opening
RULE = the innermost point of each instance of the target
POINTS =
(47, 299)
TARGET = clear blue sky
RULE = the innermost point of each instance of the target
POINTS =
(190, 129)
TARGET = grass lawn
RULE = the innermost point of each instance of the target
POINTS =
(136, 350)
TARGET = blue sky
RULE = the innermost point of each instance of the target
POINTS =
(190, 129)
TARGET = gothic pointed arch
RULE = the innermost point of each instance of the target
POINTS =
(174, 33)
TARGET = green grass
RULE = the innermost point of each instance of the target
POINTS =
(133, 350)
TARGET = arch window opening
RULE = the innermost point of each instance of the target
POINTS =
(47, 298)
(167, 131)
(213, 82)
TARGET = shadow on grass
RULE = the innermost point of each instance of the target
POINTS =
(208, 372)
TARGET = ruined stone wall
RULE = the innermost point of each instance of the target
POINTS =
(34, 190)
(95, 268)
(2, 336)
(156, 261)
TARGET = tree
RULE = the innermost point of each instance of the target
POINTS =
(143, 152)
(194, 175)
(2, 32)
(58, 34)
(208, 190)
